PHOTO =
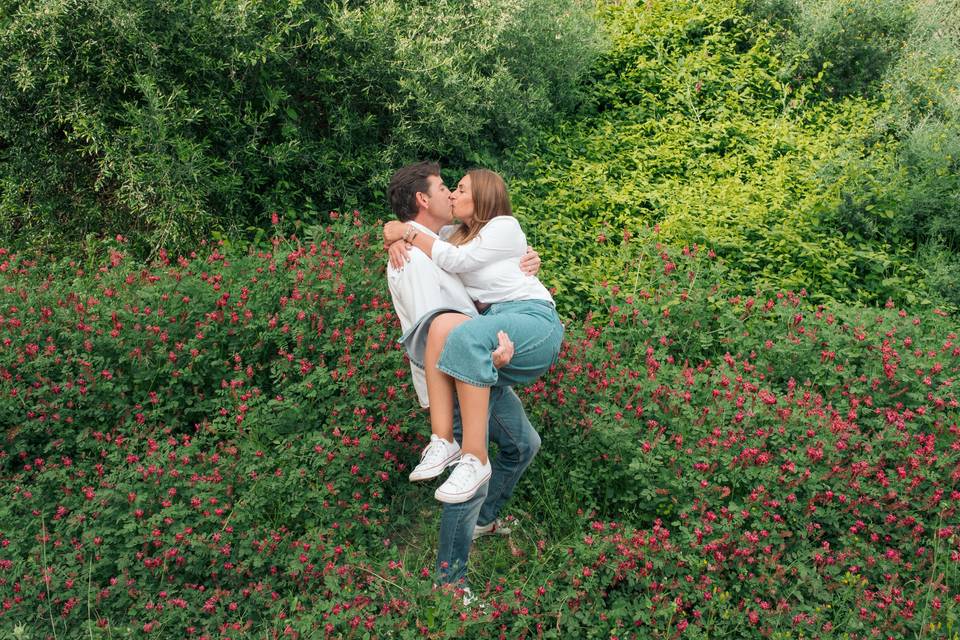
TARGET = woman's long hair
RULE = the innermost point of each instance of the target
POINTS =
(490, 199)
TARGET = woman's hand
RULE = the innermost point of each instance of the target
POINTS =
(399, 254)
(393, 231)
(504, 351)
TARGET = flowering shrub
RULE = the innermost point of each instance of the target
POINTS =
(177, 422)
(216, 445)
(803, 476)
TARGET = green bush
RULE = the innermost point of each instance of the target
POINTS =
(697, 134)
(923, 111)
(901, 187)
(924, 80)
(848, 44)
(166, 121)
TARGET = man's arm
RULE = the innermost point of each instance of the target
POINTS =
(530, 262)
(415, 290)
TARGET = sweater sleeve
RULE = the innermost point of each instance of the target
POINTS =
(501, 239)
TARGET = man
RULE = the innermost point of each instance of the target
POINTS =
(417, 195)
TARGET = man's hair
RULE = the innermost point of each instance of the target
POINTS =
(404, 186)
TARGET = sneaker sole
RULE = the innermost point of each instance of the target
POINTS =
(432, 473)
(495, 531)
(457, 498)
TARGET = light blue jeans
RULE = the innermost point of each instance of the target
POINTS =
(518, 443)
(533, 326)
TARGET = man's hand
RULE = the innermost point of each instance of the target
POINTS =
(399, 254)
(530, 262)
(504, 351)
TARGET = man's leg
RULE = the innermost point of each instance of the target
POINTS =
(457, 522)
(518, 443)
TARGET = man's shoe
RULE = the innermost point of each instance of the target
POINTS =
(463, 482)
(495, 528)
(436, 456)
(464, 592)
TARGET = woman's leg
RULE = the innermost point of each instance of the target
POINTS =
(440, 386)
(467, 354)
(474, 413)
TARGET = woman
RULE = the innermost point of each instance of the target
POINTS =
(455, 350)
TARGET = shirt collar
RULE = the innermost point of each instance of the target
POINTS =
(422, 228)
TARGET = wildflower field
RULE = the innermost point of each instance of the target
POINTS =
(215, 445)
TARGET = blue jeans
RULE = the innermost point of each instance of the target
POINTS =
(533, 326)
(518, 443)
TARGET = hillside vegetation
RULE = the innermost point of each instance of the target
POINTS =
(747, 209)
(168, 121)
(812, 144)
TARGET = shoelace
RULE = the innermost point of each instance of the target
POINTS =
(461, 479)
(434, 450)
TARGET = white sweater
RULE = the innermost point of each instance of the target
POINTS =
(421, 286)
(489, 265)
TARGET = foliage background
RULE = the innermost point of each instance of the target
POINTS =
(811, 143)
(207, 423)
(168, 121)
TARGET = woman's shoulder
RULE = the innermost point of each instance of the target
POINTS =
(504, 224)
(504, 231)
(504, 219)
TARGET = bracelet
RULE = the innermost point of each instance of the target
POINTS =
(409, 234)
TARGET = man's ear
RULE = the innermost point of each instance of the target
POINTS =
(421, 199)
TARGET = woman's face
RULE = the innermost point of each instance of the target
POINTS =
(461, 199)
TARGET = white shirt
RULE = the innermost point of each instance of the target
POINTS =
(489, 265)
(419, 287)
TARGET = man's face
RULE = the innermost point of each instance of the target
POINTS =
(437, 200)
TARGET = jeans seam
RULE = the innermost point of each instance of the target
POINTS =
(507, 432)
(516, 471)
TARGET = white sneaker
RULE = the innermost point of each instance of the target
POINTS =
(495, 528)
(468, 596)
(463, 482)
(436, 456)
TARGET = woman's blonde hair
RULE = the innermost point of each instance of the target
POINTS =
(490, 199)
